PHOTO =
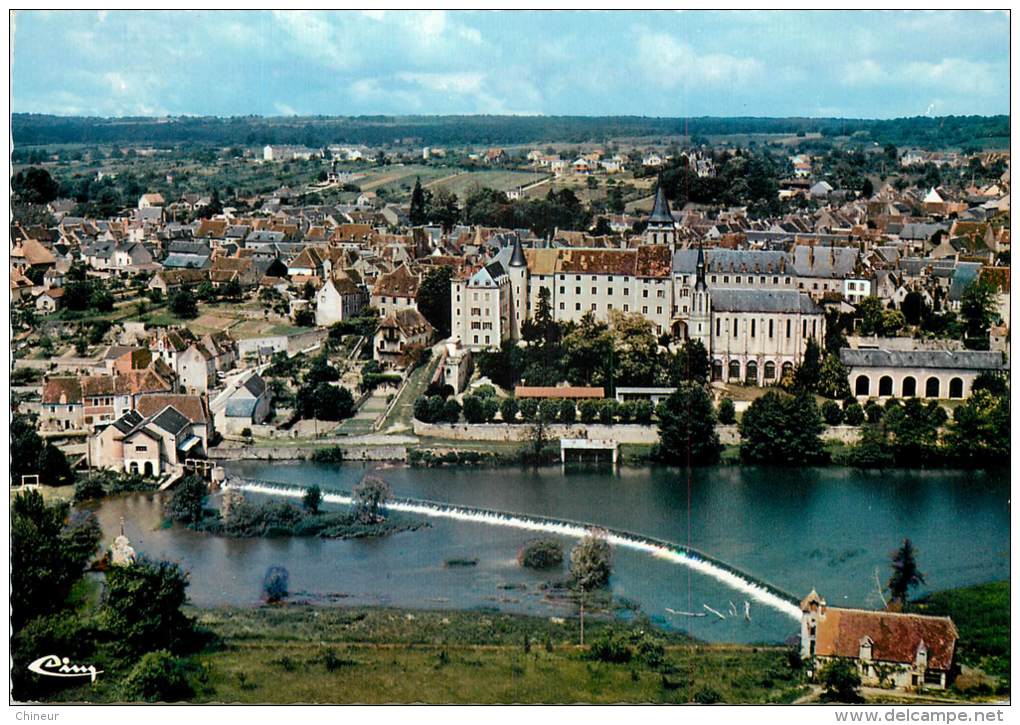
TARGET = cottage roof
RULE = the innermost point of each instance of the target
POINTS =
(62, 391)
(408, 320)
(401, 282)
(191, 407)
(171, 420)
(895, 637)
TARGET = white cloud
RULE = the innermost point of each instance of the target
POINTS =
(314, 36)
(460, 83)
(864, 72)
(950, 73)
(668, 62)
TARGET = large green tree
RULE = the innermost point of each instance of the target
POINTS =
(690, 364)
(687, 427)
(49, 551)
(35, 186)
(32, 456)
(977, 308)
(782, 429)
(979, 432)
(417, 213)
(142, 611)
(833, 379)
(434, 299)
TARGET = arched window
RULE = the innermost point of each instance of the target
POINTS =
(148, 468)
(717, 370)
(734, 372)
(909, 387)
(751, 372)
(133, 467)
(770, 370)
(931, 388)
(884, 386)
(956, 388)
(787, 368)
(863, 385)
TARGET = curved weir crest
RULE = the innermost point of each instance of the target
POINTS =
(721, 572)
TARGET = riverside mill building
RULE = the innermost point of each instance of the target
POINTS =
(754, 323)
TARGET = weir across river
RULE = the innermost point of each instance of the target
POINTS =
(753, 587)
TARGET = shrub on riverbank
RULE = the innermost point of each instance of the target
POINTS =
(330, 454)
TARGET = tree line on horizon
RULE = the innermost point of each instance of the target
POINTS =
(317, 131)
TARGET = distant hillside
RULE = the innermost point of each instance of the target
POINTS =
(942, 132)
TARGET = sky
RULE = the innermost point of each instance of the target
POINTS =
(861, 64)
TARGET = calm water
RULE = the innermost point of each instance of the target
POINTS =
(827, 528)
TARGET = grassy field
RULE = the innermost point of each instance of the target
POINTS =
(398, 179)
(379, 655)
(981, 614)
(463, 183)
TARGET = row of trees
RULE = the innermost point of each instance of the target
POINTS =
(490, 207)
(912, 433)
(485, 409)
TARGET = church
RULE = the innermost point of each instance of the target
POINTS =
(753, 334)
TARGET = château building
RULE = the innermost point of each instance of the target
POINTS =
(753, 330)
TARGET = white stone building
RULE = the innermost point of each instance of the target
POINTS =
(884, 373)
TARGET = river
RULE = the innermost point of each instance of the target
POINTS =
(797, 529)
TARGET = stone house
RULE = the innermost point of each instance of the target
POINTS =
(244, 402)
(397, 332)
(150, 445)
(50, 300)
(61, 404)
(890, 649)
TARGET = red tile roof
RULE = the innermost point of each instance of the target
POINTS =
(896, 637)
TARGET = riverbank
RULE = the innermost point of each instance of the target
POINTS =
(374, 655)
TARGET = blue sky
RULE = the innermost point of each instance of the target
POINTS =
(660, 63)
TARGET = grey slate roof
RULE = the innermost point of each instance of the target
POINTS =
(921, 231)
(827, 261)
(255, 385)
(964, 274)
(183, 261)
(127, 422)
(756, 261)
(518, 260)
(761, 300)
(170, 420)
(242, 408)
(937, 359)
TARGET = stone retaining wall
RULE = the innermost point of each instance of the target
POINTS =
(298, 453)
(622, 433)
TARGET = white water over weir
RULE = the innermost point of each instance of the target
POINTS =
(722, 573)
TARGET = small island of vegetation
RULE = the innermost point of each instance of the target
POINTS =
(237, 517)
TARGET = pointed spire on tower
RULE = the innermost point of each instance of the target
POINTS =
(517, 258)
(660, 210)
